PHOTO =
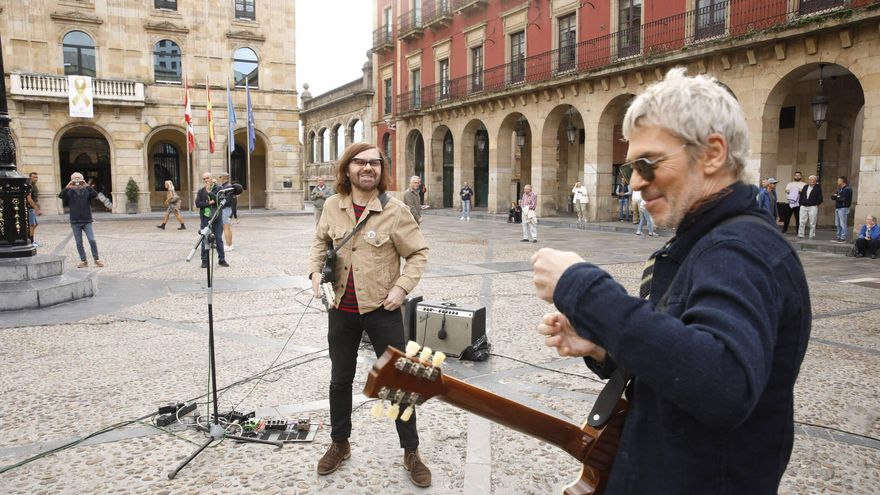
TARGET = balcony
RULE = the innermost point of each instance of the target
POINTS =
(383, 39)
(410, 25)
(722, 22)
(437, 13)
(42, 86)
(466, 6)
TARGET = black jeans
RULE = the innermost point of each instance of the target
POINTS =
(218, 237)
(384, 328)
(864, 246)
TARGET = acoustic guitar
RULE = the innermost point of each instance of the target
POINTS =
(406, 381)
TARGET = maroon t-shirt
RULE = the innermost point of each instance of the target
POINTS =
(349, 301)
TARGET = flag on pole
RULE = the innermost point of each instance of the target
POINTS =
(252, 138)
(187, 116)
(231, 121)
(210, 117)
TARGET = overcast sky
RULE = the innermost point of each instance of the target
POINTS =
(332, 39)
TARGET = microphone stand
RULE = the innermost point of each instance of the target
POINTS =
(217, 432)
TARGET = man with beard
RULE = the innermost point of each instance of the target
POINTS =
(710, 351)
(369, 288)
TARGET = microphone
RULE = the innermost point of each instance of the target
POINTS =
(234, 188)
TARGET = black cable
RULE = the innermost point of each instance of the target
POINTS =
(804, 423)
(546, 368)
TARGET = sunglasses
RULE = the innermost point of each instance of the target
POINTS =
(360, 162)
(645, 166)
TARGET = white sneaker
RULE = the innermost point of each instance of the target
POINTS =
(468, 219)
(37, 244)
(229, 248)
(462, 218)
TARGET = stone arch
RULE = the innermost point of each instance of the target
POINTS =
(338, 140)
(610, 153)
(514, 163)
(561, 160)
(174, 135)
(355, 130)
(474, 160)
(414, 157)
(324, 144)
(94, 157)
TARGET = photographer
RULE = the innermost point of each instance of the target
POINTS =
(78, 195)
(206, 202)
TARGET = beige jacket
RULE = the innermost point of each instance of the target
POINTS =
(374, 252)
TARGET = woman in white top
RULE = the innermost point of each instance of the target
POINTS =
(580, 201)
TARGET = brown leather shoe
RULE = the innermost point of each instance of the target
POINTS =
(338, 452)
(418, 472)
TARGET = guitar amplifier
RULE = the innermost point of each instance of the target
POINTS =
(409, 317)
(448, 327)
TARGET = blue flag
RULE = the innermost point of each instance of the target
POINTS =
(252, 137)
(230, 112)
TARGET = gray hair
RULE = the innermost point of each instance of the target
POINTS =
(691, 108)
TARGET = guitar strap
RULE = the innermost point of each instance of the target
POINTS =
(383, 200)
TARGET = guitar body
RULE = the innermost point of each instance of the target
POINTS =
(408, 381)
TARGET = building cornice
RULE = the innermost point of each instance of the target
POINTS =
(245, 35)
(77, 17)
(165, 27)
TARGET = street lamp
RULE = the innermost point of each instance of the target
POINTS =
(447, 145)
(570, 129)
(521, 131)
(481, 141)
(819, 106)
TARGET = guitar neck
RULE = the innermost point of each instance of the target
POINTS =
(514, 415)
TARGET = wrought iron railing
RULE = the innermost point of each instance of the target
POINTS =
(436, 11)
(729, 19)
(383, 37)
(409, 22)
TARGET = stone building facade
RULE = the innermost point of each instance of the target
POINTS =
(502, 93)
(139, 55)
(332, 121)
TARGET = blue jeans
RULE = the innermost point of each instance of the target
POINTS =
(645, 218)
(78, 229)
(218, 238)
(466, 208)
(624, 208)
(841, 215)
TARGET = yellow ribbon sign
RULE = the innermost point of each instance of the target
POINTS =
(80, 96)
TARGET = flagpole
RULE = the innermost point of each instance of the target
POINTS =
(230, 137)
(249, 177)
(250, 137)
(208, 118)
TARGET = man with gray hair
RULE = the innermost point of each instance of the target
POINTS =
(810, 199)
(78, 195)
(411, 198)
(710, 350)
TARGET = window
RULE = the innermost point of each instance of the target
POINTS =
(517, 56)
(238, 168)
(787, 117)
(629, 28)
(567, 42)
(166, 62)
(710, 17)
(444, 79)
(325, 145)
(165, 4)
(166, 165)
(477, 69)
(416, 78)
(389, 24)
(245, 67)
(357, 131)
(340, 142)
(79, 54)
(244, 9)
(387, 97)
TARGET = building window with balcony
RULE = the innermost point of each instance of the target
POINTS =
(165, 4)
(477, 69)
(517, 57)
(386, 110)
(245, 9)
(166, 165)
(166, 62)
(79, 54)
(245, 68)
(444, 78)
(416, 85)
(710, 17)
(811, 6)
(567, 42)
(629, 28)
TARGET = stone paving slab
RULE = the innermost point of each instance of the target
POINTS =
(75, 368)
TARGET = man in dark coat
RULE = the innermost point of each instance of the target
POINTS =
(78, 195)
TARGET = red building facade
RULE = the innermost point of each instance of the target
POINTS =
(503, 93)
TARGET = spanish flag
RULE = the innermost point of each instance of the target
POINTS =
(210, 117)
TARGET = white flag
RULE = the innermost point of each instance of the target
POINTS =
(79, 94)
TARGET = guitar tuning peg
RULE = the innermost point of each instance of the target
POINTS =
(378, 409)
(439, 357)
(407, 413)
(412, 348)
(392, 412)
(426, 354)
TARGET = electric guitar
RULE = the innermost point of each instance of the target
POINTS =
(328, 297)
(406, 380)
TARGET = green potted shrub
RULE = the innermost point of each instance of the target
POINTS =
(132, 191)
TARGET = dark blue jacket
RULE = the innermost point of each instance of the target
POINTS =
(714, 351)
(203, 198)
(843, 197)
(78, 202)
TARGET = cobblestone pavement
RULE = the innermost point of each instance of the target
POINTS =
(74, 369)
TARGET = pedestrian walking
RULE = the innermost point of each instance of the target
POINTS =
(172, 206)
(33, 207)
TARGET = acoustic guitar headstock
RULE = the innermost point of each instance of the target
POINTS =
(404, 380)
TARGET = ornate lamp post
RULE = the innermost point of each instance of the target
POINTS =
(819, 106)
(570, 129)
(15, 241)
